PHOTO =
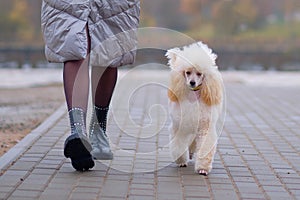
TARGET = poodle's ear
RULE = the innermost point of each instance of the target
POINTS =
(211, 92)
(172, 96)
(172, 56)
(177, 88)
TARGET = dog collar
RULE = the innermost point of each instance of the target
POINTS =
(196, 88)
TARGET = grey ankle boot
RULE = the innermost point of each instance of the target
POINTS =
(77, 145)
(97, 133)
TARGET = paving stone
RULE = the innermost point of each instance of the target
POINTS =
(278, 195)
(19, 198)
(10, 180)
(141, 192)
(196, 192)
(141, 181)
(115, 188)
(141, 197)
(225, 194)
(169, 196)
(23, 165)
(26, 194)
(55, 193)
(83, 195)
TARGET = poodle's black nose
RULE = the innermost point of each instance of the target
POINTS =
(192, 83)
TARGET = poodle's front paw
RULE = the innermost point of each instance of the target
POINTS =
(182, 161)
(182, 165)
(203, 172)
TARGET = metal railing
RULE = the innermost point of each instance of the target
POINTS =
(227, 58)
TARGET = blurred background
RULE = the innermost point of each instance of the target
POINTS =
(246, 34)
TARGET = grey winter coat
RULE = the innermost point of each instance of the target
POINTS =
(112, 26)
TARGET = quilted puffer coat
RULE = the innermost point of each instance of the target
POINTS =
(112, 27)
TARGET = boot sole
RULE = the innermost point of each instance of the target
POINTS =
(78, 149)
(101, 156)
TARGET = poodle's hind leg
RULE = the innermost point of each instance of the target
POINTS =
(182, 161)
(179, 149)
(192, 149)
(179, 153)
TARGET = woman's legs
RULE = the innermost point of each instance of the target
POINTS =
(103, 84)
(76, 83)
(76, 87)
(76, 80)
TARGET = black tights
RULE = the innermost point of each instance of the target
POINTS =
(103, 84)
(76, 83)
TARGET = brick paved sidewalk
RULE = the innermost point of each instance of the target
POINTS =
(257, 157)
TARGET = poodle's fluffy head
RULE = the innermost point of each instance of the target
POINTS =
(196, 55)
(194, 68)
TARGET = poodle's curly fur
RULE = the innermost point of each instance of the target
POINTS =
(194, 114)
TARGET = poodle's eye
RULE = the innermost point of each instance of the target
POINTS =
(199, 74)
(188, 73)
